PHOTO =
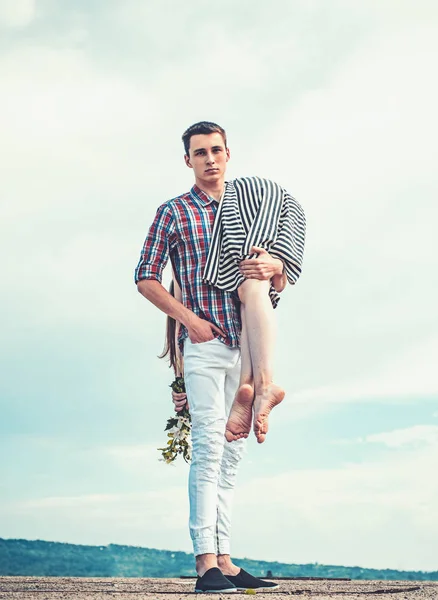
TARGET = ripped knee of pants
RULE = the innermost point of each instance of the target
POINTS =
(230, 464)
(207, 452)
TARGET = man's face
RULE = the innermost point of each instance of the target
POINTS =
(208, 157)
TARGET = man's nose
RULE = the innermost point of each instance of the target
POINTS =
(210, 159)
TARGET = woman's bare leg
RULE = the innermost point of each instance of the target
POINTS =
(260, 326)
(240, 419)
(246, 374)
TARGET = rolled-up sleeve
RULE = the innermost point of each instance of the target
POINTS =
(155, 252)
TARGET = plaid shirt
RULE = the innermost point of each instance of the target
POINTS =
(182, 231)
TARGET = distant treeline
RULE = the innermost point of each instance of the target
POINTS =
(38, 558)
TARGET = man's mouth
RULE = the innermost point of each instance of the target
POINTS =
(211, 170)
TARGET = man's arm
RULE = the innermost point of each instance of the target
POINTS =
(153, 259)
(199, 330)
(264, 267)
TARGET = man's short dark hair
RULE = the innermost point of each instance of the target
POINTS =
(203, 128)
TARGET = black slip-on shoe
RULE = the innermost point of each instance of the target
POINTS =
(213, 582)
(245, 581)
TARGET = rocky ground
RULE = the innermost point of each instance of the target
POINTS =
(66, 588)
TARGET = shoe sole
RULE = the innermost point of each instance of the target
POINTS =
(256, 589)
(227, 591)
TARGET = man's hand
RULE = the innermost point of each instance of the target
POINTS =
(180, 401)
(200, 330)
(263, 267)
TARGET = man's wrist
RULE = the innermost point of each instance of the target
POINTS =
(279, 266)
(187, 317)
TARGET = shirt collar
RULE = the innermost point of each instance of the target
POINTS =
(202, 196)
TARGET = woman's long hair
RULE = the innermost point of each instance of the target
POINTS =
(170, 349)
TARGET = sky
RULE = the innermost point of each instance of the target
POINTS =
(337, 102)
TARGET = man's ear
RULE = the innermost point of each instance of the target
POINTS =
(228, 154)
(187, 161)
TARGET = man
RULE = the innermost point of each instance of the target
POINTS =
(210, 329)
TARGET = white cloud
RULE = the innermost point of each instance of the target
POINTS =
(63, 116)
(415, 435)
(17, 14)
(142, 458)
(71, 149)
(418, 434)
(154, 518)
(139, 453)
(404, 377)
(60, 97)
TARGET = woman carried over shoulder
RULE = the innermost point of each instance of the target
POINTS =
(257, 246)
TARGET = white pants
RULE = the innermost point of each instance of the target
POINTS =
(211, 374)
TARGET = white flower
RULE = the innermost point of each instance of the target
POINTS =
(178, 435)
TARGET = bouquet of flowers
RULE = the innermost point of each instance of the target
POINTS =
(178, 431)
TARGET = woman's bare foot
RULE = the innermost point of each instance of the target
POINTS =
(263, 405)
(240, 419)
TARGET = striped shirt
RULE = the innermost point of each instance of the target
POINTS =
(255, 212)
(182, 231)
